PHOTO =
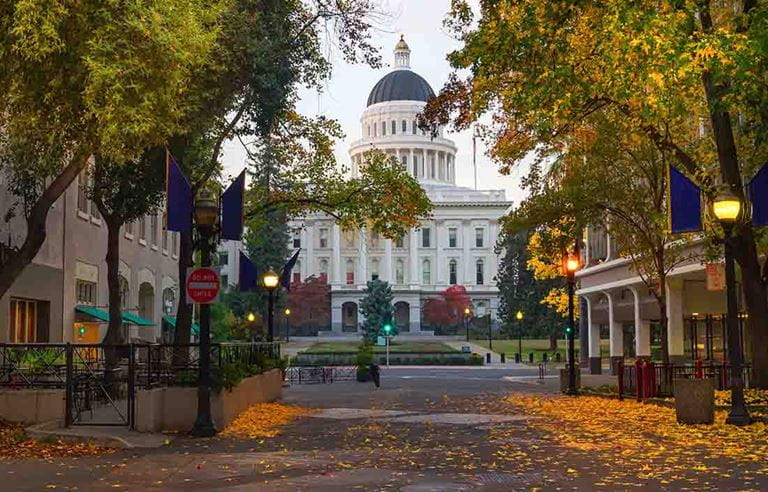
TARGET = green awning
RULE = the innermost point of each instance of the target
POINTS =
(102, 315)
(171, 320)
(93, 312)
(137, 320)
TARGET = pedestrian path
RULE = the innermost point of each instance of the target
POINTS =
(480, 350)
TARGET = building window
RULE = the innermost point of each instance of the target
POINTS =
(143, 228)
(129, 228)
(479, 272)
(452, 273)
(153, 228)
(369, 130)
(169, 299)
(426, 272)
(400, 242)
(297, 239)
(125, 293)
(404, 161)
(432, 168)
(405, 126)
(224, 258)
(95, 213)
(349, 238)
(425, 238)
(323, 238)
(350, 272)
(452, 237)
(175, 243)
(415, 166)
(394, 127)
(415, 127)
(383, 128)
(24, 317)
(324, 271)
(225, 282)
(399, 272)
(165, 239)
(374, 269)
(479, 237)
(296, 278)
(86, 292)
(82, 191)
(374, 240)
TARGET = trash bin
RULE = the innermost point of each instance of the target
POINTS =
(695, 401)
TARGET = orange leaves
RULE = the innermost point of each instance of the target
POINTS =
(14, 444)
(263, 420)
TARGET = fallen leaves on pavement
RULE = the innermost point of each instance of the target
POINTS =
(263, 420)
(645, 437)
(15, 444)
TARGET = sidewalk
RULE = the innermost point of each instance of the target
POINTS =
(105, 436)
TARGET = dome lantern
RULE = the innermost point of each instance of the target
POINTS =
(402, 54)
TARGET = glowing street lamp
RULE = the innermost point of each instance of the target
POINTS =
(572, 265)
(270, 281)
(287, 324)
(727, 208)
(467, 314)
(251, 317)
(519, 317)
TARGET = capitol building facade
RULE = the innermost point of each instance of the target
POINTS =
(454, 247)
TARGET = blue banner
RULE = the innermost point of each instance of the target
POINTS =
(285, 278)
(249, 276)
(232, 209)
(758, 194)
(684, 203)
(179, 199)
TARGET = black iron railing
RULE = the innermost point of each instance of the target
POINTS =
(320, 374)
(657, 380)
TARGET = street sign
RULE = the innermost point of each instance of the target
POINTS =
(715, 276)
(203, 285)
(465, 349)
(381, 341)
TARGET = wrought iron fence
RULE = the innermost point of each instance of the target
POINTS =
(320, 374)
(658, 379)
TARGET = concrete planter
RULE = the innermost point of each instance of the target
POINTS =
(695, 401)
(32, 406)
(175, 408)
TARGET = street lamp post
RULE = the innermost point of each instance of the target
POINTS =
(467, 312)
(572, 264)
(287, 324)
(206, 216)
(727, 209)
(519, 317)
(270, 280)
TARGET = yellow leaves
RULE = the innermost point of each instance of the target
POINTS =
(14, 444)
(263, 420)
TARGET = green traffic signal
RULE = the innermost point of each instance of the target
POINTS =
(387, 328)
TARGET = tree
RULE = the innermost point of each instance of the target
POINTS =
(376, 307)
(521, 291)
(448, 309)
(310, 303)
(123, 193)
(675, 71)
(65, 96)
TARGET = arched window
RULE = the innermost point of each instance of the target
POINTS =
(349, 238)
(375, 130)
(350, 272)
(415, 127)
(415, 166)
(426, 272)
(432, 167)
(324, 270)
(383, 128)
(369, 130)
(404, 161)
(125, 293)
(452, 273)
(479, 272)
(405, 126)
(169, 301)
(394, 127)
(400, 272)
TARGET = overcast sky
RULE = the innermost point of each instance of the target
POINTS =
(346, 93)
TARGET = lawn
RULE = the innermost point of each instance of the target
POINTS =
(537, 346)
(396, 346)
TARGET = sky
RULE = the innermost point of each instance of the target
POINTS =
(345, 95)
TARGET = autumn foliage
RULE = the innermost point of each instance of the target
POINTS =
(310, 302)
(263, 420)
(448, 309)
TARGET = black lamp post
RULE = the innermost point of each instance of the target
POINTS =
(287, 324)
(727, 209)
(519, 317)
(467, 313)
(572, 264)
(270, 281)
(206, 218)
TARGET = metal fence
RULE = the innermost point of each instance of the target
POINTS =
(657, 380)
(320, 375)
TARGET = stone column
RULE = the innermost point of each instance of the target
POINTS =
(412, 171)
(675, 321)
(336, 268)
(386, 273)
(439, 251)
(363, 260)
(595, 359)
(413, 256)
(310, 245)
(414, 317)
(642, 329)
(583, 332)
(336, 325)
(608, 246)
(466, 227)
(615, 334)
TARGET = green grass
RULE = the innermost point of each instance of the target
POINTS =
(537, 346)
(396, 346)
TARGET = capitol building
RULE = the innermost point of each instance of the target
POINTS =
(454, 247)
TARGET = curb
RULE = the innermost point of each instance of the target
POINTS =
(52, 429)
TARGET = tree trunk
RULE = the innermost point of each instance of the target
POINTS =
(553, 341)
(184, 311)
(115, 329)
(36, 223)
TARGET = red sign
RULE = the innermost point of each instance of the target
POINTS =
(715, 276)
(203, 285)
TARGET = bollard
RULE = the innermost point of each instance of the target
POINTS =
(544, 357)
(530, 357)
(518, 359)
(503, 358)
(653, 389)
(488, 358)
(620, 371)
(639, 379)
(699, 369)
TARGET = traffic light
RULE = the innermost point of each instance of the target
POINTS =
(81, 330)
(387, 329)
(568, 329)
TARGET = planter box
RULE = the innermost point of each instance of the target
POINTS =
(32, 406)
(695, 401)
(175, 408)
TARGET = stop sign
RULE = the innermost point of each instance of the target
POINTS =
(203, 285)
